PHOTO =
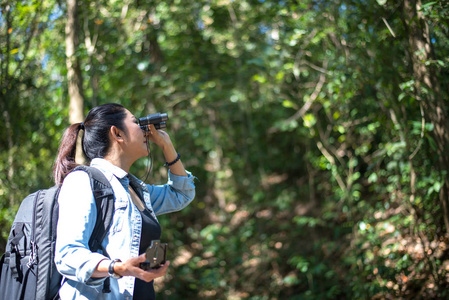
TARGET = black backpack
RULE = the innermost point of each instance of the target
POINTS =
(27, 269)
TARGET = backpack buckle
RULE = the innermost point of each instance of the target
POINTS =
(33, 255)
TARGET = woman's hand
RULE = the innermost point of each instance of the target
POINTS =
(162, 139)
(131, 267)
(158, 136)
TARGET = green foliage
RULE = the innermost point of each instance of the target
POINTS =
(318, 166)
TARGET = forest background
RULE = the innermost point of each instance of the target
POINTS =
(318, 131)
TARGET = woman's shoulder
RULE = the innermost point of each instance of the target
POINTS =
(76, 175)
(75, 197)
(75, 182)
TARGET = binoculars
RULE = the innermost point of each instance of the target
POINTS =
(157, 119)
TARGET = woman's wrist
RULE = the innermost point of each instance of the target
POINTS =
(112, 270)
(170, 153)
(167, 146)
(119, 268)
(171, 163)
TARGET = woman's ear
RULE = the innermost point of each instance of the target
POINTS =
(116, 134)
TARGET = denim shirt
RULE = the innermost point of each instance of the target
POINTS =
(77, 215)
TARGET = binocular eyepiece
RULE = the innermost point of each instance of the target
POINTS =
(157, 119)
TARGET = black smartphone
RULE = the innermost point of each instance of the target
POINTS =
(156, 255)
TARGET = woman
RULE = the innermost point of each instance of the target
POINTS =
(113, 141)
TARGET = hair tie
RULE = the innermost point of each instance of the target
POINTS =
(82, 125)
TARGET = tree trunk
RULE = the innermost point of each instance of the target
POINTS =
(74, 77)
(426, 79)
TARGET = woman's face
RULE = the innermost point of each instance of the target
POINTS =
(136, 142)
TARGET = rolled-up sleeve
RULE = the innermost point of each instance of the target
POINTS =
(175, 195)
(77, 216)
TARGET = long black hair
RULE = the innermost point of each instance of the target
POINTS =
(95, 141)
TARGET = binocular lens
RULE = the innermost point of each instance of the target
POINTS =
(157, 119)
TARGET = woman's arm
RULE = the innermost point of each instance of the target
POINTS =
(162, 139)
(77, 216)
(173, 196)
(180, 189)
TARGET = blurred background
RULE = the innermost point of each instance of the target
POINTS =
(318, 132)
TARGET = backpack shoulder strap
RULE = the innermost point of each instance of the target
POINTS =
(104, 199)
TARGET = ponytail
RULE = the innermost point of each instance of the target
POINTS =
(65, 161)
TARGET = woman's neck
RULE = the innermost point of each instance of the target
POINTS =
(121, 161)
